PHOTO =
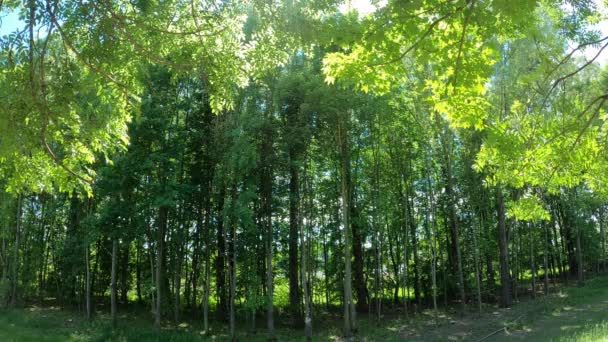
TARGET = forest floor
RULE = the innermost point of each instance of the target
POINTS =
(567, 314)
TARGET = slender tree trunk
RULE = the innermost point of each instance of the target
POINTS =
(516, 269)
(294, 219)
(138, 271)
(417, 280)
(269, 268)
(87, 257)
(125, 272)
(232, 272)
(43, 245)
(406, 259)
(456, 258)
(602, 238)
(431, 237)
(532, 261)
(545, 259)
(152, 278)
(377, 245)
(349, 307)
(113, 290)
(177, 281)
(326, 266)
(207, 273)
(377, 275)
(505, 283)
(207, 286)
(558, 252)
(404, 221)
(303, 273)
(476, 260)
(162, 226)
(220, 275)
(15, 275)
(553, 250)
(579, 258)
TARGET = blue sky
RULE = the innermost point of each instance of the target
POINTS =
(9, 22)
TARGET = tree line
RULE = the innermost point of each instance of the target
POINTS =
(341, 172)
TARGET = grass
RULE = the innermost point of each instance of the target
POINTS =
(570, 314)
(595, 332)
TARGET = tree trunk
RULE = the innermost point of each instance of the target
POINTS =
(505, 283)
(357, 248)
(177, 281)
(232, 272)
(269, 281)
(579, 258)
(532, 261)
(558, 252)
(476, 260)
(349, 307)
(406, 259)
(294, 219)
(325, 266)
(124, 287)
(138, 272)
(220, 275)
(546, 259)
(113, 290)
(602, 238)
(207, 273)
(453, 217)
(207, 285)
(431, 234)
(162, 226)
(15, 275)
(304, 280)
(516, 266)
(152, 278)
(87, 258)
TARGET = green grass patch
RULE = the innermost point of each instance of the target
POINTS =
(570, 314)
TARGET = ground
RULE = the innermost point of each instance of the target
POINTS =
(567, 314)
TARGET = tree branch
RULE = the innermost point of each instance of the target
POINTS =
(425, 34)
(90, 65)
(579, 69)
(462, 37)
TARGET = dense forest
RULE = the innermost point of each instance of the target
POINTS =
(266, 161)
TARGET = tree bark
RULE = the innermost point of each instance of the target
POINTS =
(505, 283)
(125, 272)
(431, 237)
(602, 238)
(476, 260)
(349, 307)
(162, 226)
(232, 272)
(357, 248)
(453, 217)
(579, 258)
(15, 275)
(546, 259)
(87, 257)
(220, 262)
(304, 280)
(267, 203)
(532, 261)
(294, 219)
(113, 290)
(207, 273)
